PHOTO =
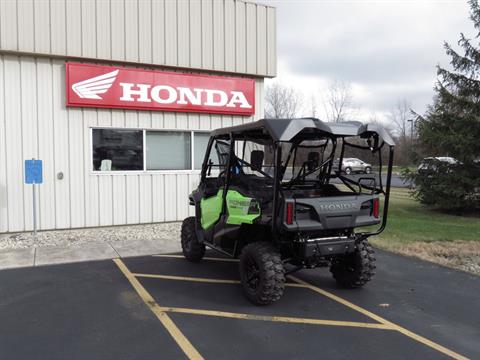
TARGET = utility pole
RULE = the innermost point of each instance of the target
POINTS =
(412, 123)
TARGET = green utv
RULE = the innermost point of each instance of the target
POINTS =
(272, 192)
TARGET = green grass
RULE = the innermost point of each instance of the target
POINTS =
(409, 221)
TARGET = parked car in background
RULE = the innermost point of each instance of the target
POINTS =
(353, 165)
(430, 163)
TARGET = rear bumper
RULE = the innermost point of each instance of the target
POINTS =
(327, 246)
(331, 223)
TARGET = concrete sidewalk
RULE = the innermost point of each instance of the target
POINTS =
(99, 250)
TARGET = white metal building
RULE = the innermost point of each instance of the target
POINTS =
(211, 37)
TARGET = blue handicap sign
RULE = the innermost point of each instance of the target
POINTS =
(33, 172)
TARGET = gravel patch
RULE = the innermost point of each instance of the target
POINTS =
(162, 231)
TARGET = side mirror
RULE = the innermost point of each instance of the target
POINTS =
(313, 158)
(256, 160)
(374, 146)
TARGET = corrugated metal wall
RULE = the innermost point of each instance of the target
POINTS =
(34, 122)
(37, 37)
(221, 35)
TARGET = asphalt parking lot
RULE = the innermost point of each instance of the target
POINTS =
(165, 307)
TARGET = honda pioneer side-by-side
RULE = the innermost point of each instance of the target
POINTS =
(270, 194)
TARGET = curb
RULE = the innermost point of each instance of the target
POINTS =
(91, 251)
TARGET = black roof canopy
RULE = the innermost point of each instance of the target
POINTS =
(287, 129)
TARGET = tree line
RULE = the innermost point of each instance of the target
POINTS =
(336, 104)
(449, 127)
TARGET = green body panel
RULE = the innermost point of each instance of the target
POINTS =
(211, 208)
(237, 206)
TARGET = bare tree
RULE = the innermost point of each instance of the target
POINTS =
(375, 119)
(282, 102)
(338, 101)
(313, 106)
(399, 117)
(399, 121)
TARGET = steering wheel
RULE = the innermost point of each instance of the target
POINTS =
(222, 173)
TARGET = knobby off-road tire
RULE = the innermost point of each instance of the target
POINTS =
(356, 269)
(192, 249)
(262, 273)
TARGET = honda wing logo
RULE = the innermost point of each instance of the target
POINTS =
(90, 88)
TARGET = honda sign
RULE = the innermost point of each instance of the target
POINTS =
(125, 88)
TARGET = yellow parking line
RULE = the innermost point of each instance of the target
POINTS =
(205, 258)
(339, 299)
(188, 278)
(285, 319)
(203, 280)
(383, 321)
(166, 321)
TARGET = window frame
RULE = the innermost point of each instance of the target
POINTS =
(192, 169)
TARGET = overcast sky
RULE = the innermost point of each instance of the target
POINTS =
(387, 50)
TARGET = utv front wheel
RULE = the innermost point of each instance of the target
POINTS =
(356, 269)
(192, 249)
(262, 273)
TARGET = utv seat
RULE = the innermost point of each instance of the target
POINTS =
(259, 188)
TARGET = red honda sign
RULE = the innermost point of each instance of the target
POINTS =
(125, 88)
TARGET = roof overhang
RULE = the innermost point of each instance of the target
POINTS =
(288, 129)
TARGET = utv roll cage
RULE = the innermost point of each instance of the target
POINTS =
(278, 131)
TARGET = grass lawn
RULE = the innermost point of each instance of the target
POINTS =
(410, 221)
(415, 230)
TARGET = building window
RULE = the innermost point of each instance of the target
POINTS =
(117, 150)
(147, 150)
(200, 146)
(168, 150)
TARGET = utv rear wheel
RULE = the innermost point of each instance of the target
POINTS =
(192, 249)
(262, 273)
(356, 269)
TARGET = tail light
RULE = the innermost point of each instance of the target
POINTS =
(376, 207)
(289, 213)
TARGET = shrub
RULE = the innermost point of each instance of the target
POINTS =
(451, 187)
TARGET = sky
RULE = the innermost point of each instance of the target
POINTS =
(386, 50)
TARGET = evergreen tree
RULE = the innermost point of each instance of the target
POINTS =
(451, 127)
